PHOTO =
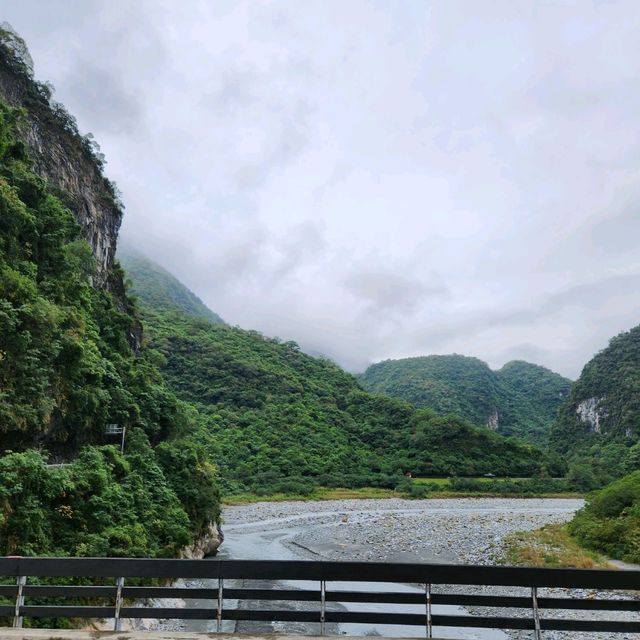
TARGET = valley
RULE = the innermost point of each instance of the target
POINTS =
(433, 458)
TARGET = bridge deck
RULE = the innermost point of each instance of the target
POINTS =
(78, 634)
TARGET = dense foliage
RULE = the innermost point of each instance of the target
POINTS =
(610, 522)
(275, 418)
(521, 399)
(66, 370)
(598, 428)
(156, 288)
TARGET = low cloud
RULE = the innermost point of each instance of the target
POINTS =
(372, 180)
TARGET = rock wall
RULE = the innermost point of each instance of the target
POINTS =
(206, 545)
(493, 420)
(589, 413)
(75, 175)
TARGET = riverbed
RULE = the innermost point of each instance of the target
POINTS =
(463, 530)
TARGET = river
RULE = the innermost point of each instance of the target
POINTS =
(454, 530)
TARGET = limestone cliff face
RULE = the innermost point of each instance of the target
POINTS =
(61, 160)
(589, 413)
(493, 419)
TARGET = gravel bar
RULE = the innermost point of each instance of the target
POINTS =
(459, 530)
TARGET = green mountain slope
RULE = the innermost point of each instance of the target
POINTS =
(68, 367)
(275, 417)
(610, 521)
(520, 399)
(598, 427)
(157, 288)
(530, 397)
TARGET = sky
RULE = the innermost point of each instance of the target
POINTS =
(372, 179)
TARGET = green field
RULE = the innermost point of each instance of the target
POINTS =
(445, 482)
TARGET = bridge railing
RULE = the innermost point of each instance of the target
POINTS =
(228, 601)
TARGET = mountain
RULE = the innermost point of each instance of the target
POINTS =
(157, 288)
(598, 427)
(275, 418)
(521, 399)
(71, 360)
(60, 155)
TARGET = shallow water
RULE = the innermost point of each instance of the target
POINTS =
(273, 539)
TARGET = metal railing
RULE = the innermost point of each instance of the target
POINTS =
(29, 573)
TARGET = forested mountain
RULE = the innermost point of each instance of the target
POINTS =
(157, 288)
(598, 428)
(521, 399)
(272, 416)
(70, 358)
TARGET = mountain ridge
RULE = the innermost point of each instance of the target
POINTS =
(518, 399)
(156, 287)
(273, 416)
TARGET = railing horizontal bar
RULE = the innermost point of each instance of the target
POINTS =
(67, 591)
(63, 611)
(9, 590)
(379, 596)
(377, 618)
(294, 595)
(328, 571)
(263, 615)
(611, 626)
(484, 622)
(588, 604)
(169, 592)
(178, 613)
(499, 622)
(518, 602)
(7, 609)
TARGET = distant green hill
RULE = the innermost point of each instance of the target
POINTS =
(157, 288)
(521, 399)
(275, 418)
(598, 427)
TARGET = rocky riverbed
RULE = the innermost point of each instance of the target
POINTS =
(462, 530)
(443, 530)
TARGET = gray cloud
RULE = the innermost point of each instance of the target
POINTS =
(372, 179)
(391, 291)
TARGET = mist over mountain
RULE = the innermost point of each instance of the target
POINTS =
(155, 287)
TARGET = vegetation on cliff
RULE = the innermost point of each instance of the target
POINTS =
(66, 370)
(610, 521)
(521, 399)
(598, 428)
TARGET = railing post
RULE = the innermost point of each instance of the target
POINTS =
(117, 622)
(536, 614)
(323, 605)
(427, 593)
(17, 618)
(220, 602)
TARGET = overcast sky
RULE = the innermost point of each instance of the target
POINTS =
(373, 179)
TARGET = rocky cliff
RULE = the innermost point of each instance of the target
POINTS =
(67, 160)
(604, 404)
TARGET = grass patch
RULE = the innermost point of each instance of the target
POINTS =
(550, 546)
(321, 493)
(370, 493)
